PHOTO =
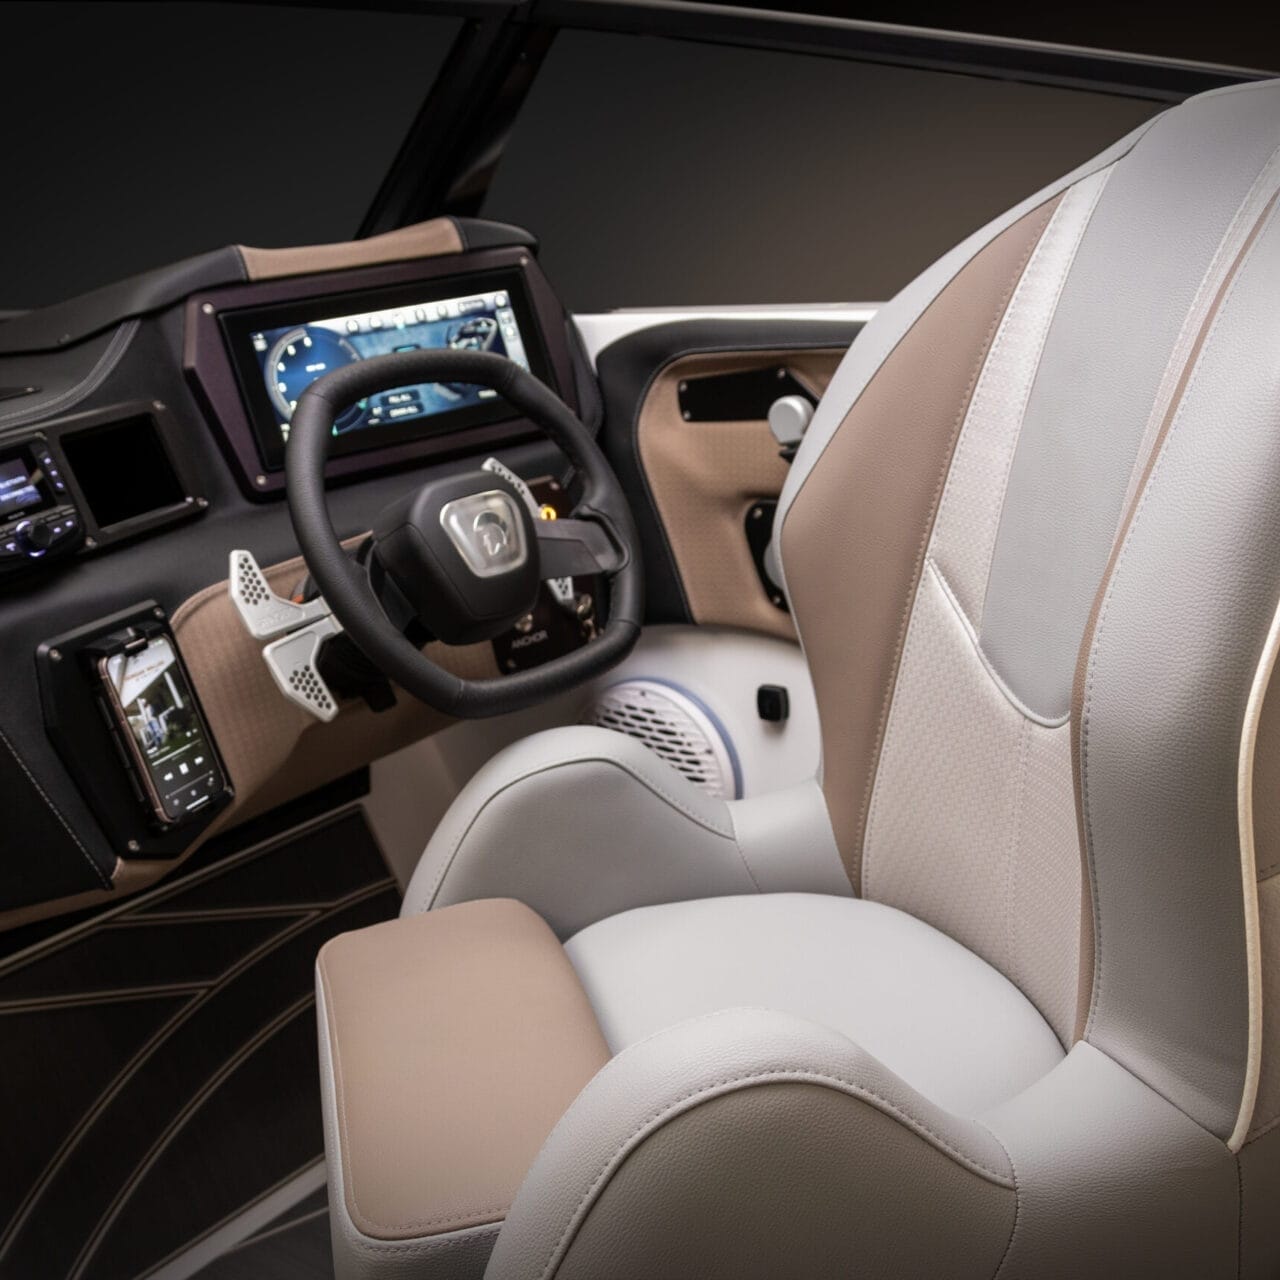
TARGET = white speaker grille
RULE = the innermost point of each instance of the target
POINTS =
(673, 726)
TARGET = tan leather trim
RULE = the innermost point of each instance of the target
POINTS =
(855, 536)
(1088, 933)
(704, 476)
(273, 750)
(458, 1037)
(430, 239)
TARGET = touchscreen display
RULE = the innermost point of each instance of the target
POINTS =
(280, 350)
(18, 488)
(151, 690)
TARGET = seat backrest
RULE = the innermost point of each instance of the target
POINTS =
(1032, 543)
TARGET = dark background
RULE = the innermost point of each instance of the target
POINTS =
(655, 172)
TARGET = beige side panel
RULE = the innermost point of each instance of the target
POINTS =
(972, 822)
(855, 536)
(273, 749)
(421, 240)
(704, 476)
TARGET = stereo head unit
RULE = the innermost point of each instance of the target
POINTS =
(279, 350)
(38, 519)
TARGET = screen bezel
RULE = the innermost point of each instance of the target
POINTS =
(206, 363)
(237, 325)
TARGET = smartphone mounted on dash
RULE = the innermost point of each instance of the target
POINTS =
(161, 732)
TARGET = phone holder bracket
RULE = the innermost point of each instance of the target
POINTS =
(81, 729)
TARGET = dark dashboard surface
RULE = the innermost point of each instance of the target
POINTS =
(143, 368)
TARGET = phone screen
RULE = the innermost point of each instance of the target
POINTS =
(151, 693)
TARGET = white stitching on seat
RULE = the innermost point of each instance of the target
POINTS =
(1017, 1200)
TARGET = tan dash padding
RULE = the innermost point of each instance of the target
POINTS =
(854, 539)
(705, 476)
(430, 239)
(458, 1038)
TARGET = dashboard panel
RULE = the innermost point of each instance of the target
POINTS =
(142, 412)
(252, 350)
(279, 351)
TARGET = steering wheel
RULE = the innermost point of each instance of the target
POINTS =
(464, 552)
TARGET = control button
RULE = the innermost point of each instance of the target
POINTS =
(773, 703)
(64, 528)
(401, 397)
(9, 549)
(34, 539)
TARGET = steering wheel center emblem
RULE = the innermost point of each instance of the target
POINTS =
(491, 531)
(486, 531)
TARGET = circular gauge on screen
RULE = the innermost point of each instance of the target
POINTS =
(297, 359)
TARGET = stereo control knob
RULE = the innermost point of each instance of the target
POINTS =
(34, 539)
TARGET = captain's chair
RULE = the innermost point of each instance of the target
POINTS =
(1000, 994)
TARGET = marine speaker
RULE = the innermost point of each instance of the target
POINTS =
(675, 725)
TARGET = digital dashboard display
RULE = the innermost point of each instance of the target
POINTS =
(279, 351)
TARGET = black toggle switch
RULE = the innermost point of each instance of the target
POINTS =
(773, 703)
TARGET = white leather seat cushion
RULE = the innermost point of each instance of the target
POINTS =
(933, 1012)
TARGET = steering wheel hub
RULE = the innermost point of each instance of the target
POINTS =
(464, 554)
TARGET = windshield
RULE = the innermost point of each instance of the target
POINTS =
(138, 134)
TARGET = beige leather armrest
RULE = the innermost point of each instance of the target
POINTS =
(451, 1043)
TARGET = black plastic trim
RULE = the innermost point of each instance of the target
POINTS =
(991, 57)
(447, 160)
(65, 323)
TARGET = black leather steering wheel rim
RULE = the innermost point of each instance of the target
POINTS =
(345, 585)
